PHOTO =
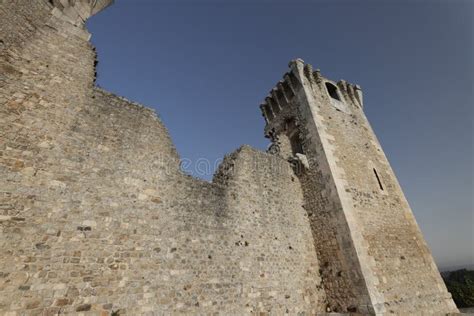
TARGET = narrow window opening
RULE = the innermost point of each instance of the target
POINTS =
(378, 179)
(332, 90)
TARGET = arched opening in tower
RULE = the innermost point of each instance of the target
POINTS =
(332, 90)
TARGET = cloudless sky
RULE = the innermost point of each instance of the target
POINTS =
(206, 65)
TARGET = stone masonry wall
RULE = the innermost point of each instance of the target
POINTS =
(372, 254)
(20, 21)
(95, 215)
(275, 251)
(339, 268)
(404, 274)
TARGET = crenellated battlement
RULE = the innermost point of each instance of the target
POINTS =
(280, 107)
(275, 106)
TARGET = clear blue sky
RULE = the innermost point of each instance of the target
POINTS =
(205, 66)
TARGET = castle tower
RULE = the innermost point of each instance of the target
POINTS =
(372, 255)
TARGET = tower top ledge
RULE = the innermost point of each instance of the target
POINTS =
(277, 104)
(78, 11)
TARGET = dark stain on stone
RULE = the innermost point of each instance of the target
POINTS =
(42, 246)
(83, 308)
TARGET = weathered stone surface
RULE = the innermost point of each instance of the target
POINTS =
(372, 255)
(96, 217)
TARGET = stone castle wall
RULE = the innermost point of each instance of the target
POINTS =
(399, 271)
(95, 215)
(401, 274)
(372, 255)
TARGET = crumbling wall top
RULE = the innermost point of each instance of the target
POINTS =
(78, 11)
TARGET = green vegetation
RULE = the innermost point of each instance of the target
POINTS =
(461, 285)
